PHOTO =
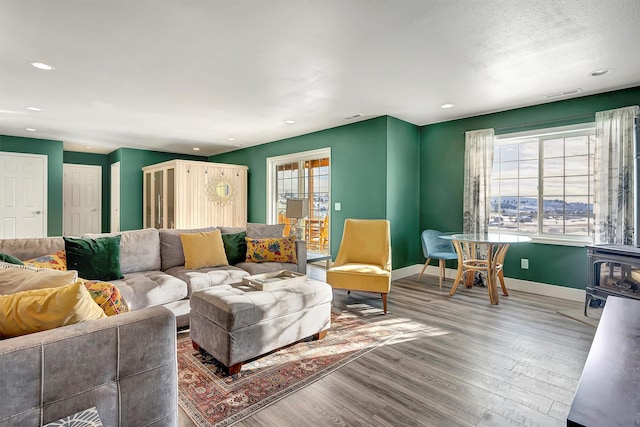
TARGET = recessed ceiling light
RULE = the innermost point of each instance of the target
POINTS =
(355, 116)
(446, 106)
(42, 66)
(196, 149)
(88, 146)
(602, 72)
(30, 129)
(239, 145)
(231, 139)
(34, 109)
(289, 122)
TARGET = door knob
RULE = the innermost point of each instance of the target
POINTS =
(37, 212)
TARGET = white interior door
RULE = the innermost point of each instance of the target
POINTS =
(82, 195)
(115, 197)
(23, 195)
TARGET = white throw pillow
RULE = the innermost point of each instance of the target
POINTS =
(18, 278)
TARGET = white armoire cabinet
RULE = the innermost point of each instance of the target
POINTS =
(190, 194)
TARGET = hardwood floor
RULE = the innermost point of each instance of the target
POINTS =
(458, 361)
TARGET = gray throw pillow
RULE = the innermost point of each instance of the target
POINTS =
(263, 231)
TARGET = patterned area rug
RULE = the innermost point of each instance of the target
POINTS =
(211, 398)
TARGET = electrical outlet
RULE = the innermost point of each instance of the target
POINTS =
(524, 263)
(338, 206)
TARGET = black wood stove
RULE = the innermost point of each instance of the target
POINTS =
(613, 270)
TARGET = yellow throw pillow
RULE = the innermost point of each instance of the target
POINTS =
(203, 250)
(43, 309)
(18, 279)
(277, 249)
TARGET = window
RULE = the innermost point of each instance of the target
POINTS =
(542, 183)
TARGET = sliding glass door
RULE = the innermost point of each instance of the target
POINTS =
(305, 176)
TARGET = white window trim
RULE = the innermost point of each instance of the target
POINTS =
(272, 162)
(509, 138)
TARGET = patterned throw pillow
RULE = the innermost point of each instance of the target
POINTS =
(107, 296)
(281, 249)
(55, 261)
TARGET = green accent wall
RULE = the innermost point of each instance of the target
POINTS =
(360, 168)
(53, 150)
(102, 160)
(442, 175)
(403, 192)
(131, 163)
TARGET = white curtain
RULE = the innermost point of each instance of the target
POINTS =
(613, 176)
(478, 164)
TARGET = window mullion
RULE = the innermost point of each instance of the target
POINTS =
(540, 186)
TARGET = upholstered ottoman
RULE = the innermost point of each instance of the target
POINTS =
(236, 323)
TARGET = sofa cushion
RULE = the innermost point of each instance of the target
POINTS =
(139, 249)
(235, 247)
(203, 249)
(31, 247)
(95, 259)
(232, 230)
(15, 278)
(147, 288)
(207, 277)
(282, 249)
(54, 261)
(171, 252)
(262, 231)
(43, 309)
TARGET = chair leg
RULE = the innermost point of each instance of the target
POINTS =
(456, 282)
(504, 288)
(441, 264)
(384, 302)
(423, 268)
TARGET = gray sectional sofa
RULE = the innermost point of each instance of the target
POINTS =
(124, 365)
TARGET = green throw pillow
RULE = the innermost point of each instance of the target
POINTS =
(95, 259)
(235, 247)
(10, 259)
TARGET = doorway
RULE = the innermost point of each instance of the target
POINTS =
(23, 191)
(115, 197)
(82, 196)
(306, 176)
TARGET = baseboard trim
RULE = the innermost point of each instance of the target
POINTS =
(537, 288)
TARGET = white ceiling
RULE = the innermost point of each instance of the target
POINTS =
(173, 75)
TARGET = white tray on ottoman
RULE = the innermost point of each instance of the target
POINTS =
(273, 279)
(236, 323)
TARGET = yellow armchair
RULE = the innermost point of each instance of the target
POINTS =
(364, 258)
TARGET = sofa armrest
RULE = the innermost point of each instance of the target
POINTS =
(124, 365)
(301, 253)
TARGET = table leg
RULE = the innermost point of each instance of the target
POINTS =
(501, 253)
(492, 286)
(460, 253)
(471, 251)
